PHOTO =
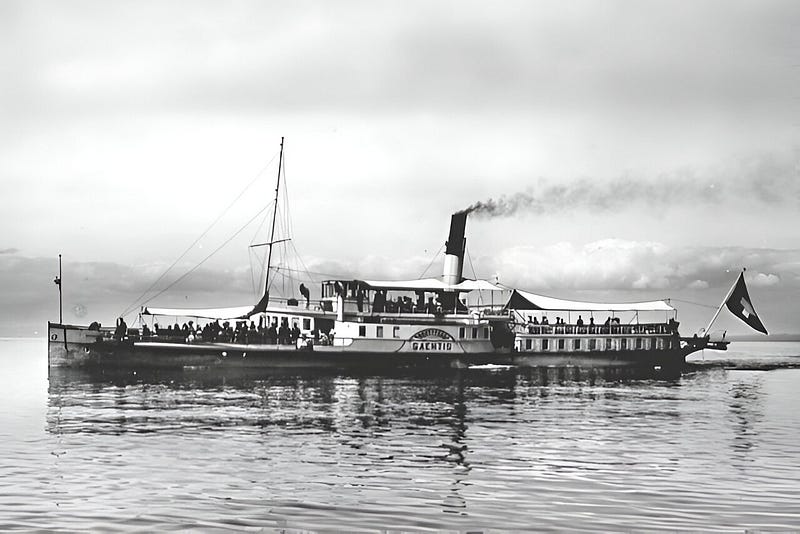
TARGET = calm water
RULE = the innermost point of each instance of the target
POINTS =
(715, 449)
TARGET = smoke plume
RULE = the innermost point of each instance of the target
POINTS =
(766, 180)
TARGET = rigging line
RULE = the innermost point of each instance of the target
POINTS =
(431, 263)
(262, 210)
(474, 274)
(133, 304)
(305, 267)
(331, 275)
(253, 253)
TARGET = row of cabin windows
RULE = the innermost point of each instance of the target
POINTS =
(577, 344)
(462, 332)
(362, 331)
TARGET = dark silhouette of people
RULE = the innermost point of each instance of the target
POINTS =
(272, 332)
(431, 307)
(284, 333)
(121, 331)
(360, 300)
(580, 321)
(306, 294)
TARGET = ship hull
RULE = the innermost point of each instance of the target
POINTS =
(84, 349)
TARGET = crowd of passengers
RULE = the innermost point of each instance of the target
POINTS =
(403, 304)
(534, 326)
(241, 332)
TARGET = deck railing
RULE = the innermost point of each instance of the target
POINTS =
(625, 329)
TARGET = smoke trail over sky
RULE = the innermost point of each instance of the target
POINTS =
(766, 181)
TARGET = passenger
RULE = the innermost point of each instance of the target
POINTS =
(431, 307)
(295, 333)
(272, 332)
(420, 308)
(545, 321)
(379, 304)
(283, 332)
(535, 321)
(579, 321)
(306, 293)
(323, 339)
(121, 331)
(145, 330)
(359, 300)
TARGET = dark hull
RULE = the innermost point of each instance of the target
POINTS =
(108, 354)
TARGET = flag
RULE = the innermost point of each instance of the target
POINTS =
(741, 306)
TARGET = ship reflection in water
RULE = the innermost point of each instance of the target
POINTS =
(508, 448)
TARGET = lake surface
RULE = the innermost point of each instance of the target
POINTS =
(715, 449)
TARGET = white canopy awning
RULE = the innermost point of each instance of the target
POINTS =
(523, 300)
(431, 284)
(236, 312)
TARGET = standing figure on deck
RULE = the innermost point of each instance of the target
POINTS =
(121, 331)
(306, 294)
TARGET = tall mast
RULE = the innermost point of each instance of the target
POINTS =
(274, 215)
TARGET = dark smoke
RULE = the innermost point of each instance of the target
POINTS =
(765, 180)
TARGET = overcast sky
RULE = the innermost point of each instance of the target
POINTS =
(632, 149)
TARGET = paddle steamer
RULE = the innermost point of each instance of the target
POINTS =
(432, 322)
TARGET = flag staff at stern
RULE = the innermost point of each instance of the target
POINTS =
(739, 303)
(57, 281)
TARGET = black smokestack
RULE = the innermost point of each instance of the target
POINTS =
(455, 242)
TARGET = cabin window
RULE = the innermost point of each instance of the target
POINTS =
(609, 342)
(660, 344)
(306, 324)
(576, 344)
(638, 343)
(527, 344)
(474, 333)
(545, 344)
(624, 344)
(396, 331)
(462, 332)
(485, 333)
(592, 344)
(362, 330)
(379, 331)
(561, 344)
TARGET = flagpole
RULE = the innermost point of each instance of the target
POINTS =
(727, 296)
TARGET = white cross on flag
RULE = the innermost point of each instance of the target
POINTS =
(741, 306)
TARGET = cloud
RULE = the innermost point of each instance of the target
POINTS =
(9, 250)
(763, 279)
(357, 56)
(622, 264)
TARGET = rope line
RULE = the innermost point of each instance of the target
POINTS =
(193, 269)
(136, 302)
(435, 256)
